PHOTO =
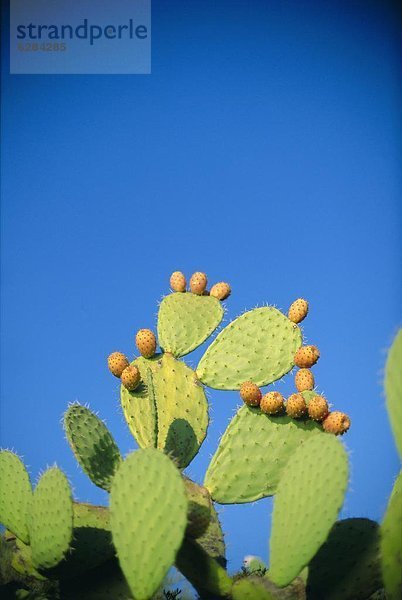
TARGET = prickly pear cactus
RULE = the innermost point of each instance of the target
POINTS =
(148, 507)
(50, 519)
(92, 444)
(258, 346)
(170, 410)
(186, 320)
(15, 494)
(308, 499)
(253, 454)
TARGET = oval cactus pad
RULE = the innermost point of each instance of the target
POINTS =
(51, 519)
(309, 497)
(186, 320)
(252, 455)
(92, 444)
(172, 407)
(15, 494)
(391, 543)
(258, 346)
(148, 515)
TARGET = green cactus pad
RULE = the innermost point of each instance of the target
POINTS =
(308, 395)
(309, 497)
(346, 567)
(258, 346)
(139, 406)
(391, 543)
(15, 495)
(186, 320)
(393, 389)
(92, 444)
(253, 453)
(50, 519)
(172, 405)
(204, 572)
(148, 507)
(251, 589)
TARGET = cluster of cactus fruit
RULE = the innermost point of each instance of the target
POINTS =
(157, 518)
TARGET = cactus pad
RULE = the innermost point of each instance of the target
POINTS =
(50, 519)
(171, 406)
(15, 494)
(92, 444)
(251, 589)
(148, 507)
(253, 453)
(347, 565)
(258, 346)
(213, 540)
(391, 543)
(309, 497)
(393, 389)
(186, 320)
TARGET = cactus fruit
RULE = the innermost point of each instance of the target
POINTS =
(131, 377)
(306, 356)
(145, 341)
(92, 445)
(258, 346)
(309, 496)
(117, 362)
(296, 406)
(199, 509)
(393, 389)
(347, 564)
(253, 453)
(336, 422)
(178, 282)
(272, 403)
(391, 543)
(318, 408)
(220, 290)
(250, 393)
(15, 494)
(304, 380)
(198, 283)
(50, 519)
(298, 310)
(148, 516)
(186, 320)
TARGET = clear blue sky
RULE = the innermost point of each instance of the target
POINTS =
(264, 149)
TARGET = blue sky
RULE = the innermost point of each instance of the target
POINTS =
(263, 149)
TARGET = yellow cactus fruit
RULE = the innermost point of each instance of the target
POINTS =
(336, 422)
(304, 380)
(198, 283)
(131, 377)
(146, 342)
(296, 406)
(318, 408)
(250, 393)
(178, 282)
(272, 403)
(220, 290)
(117, 362)
(298, 310)
(306, 356)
